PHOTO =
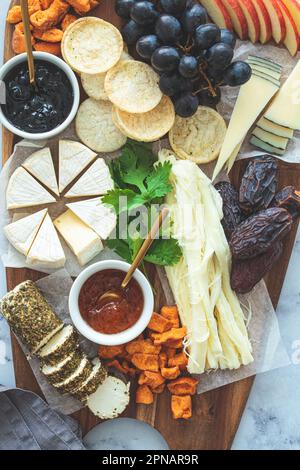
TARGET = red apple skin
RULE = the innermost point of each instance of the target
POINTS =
(291, 40)
(294, 8)
(253, 21)
(237, 17)
(218, 13)
(265, 21)
(277, 20)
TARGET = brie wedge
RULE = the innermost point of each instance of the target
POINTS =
(96, 215)
(81, 239)
(40, 165)
(46, 250)
(24, 191)
(73, 159)
(22, 233)
(94, 182)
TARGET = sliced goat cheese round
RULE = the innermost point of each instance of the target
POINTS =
(96, 378)
(110, 399)
(64, 369)
(73, 381)
(60, 346)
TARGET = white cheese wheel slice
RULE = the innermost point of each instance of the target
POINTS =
(40, 165)
(110, 399)
(46, 250)
(24, 191)
(94, 182)
(22, 233)
(96, 215)
(73, 159)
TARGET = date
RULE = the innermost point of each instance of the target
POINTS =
(232, 213)
(259, 232)
(247, 273)
(259, 184)
(289, 199)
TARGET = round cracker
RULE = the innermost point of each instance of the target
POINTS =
(132, 86)
(91, 45)
(200, 137)
(146, 127)
(95, 127)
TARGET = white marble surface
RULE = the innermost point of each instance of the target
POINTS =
(272, 417)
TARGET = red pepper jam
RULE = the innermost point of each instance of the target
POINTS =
(110, 316)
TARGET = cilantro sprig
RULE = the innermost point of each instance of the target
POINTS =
(139, 183)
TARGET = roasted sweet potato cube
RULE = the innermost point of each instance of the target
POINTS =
(144, 346)
(46, 19)
(51, 35)
(180, 360)
(171, 313)
(129, 370)
(116, 364)
(170, 352)
(18, 39)
(109, 352)
(15, 14)
(145, 361)
(67, 20)
(170, 373)
(50, 47)
(159, 323)
(153, 379)
(158, 390)
(45, 4)
(162, 360)
(181, 406)
(144, 395)
(175, 344)
(171, 335)
(183, 386)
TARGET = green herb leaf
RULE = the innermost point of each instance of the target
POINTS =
(164, 252)
(158, 184)
(121, 247)
(123, 200)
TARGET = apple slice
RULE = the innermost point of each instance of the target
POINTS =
(251, 18)
(264, 21)
(218, 13)
(237, 17)
(277, 20)
(291, 40)
(294, 8)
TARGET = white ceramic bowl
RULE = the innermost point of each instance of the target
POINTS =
(119, 338)
(6, 68)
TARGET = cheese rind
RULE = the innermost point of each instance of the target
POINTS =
(272, 139)
(95, 181)
(40, 165)
(24, 191)
(276, 129)
(73, 159)
(265, 70)
(21, 234)
(46, 250)
(81, 239)
(265, 62)
(265, 147)
(285, 108)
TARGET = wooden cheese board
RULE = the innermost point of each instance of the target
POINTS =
(217, 414)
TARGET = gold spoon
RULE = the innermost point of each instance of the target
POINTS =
(27, 34)
(139, 257)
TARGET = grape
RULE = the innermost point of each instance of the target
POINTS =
(171, 84)
(131, 32)
(188, 66)
(186, 104)
(207, 35)
(165, 59)
(168, 29)
(144, 13)
(174, 7)
(193, 17)
(237, 73)
(216, 75)
(123, 8)
(146, 45)
(206, 98)
(228, 37)
(219, 56)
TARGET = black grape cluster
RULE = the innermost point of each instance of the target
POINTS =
(192, 57)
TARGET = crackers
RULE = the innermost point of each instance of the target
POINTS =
(91, 45)
(132, 86)
(95, 127)
(146, 127)
(200, 137)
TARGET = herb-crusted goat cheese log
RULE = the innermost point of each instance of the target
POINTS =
(30, 316)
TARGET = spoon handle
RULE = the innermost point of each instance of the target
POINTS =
(27, 33)
(145, 246)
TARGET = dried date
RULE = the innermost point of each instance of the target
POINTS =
(247, 273)
(288, 198)
(232, 213)
(259, 184)
(259, 233)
